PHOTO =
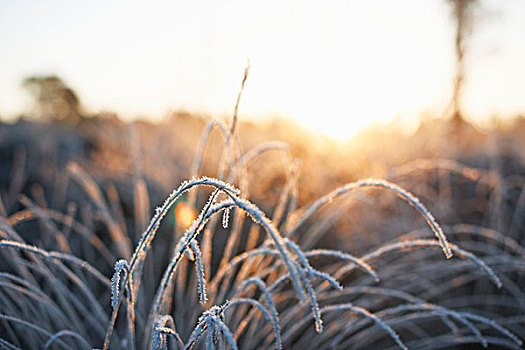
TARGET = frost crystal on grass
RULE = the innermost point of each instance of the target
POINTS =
(121, 265)
(225, 217)
(70, 310)
(200, 272)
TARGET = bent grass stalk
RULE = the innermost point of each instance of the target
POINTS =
(272, 263)
(258, 217)
(148, 235)
(400, 192)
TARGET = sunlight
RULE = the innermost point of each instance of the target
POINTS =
(344, 136)
(185, 214)
(335, 67)
(349, 82)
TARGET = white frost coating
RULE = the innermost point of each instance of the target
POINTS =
(121, 265)
(400, 192)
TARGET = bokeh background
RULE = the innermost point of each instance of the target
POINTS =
(334, 66)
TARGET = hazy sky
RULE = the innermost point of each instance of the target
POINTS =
(335, 65)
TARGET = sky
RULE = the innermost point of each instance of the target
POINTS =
(335, 66)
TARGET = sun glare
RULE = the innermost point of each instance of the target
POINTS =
(335, 75)
(336, 67)
(185, 214)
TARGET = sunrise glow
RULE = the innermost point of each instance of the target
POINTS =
(336, 66)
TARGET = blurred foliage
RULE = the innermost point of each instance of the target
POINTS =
(53, 99)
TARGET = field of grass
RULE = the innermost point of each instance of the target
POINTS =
(192, 233)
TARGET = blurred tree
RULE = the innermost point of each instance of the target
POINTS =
(54, 100)
(462, 12)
